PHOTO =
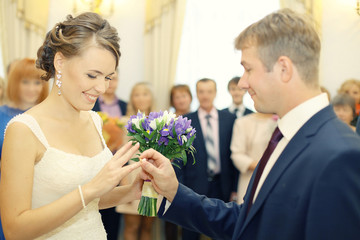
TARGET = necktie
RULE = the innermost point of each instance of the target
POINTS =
(236, 112)
(210, 148)
(275, 138)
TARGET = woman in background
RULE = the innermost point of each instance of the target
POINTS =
(344, 108)
(135, 225)
(180, 99)
(251, 135)
(351, 87)
(25, 89)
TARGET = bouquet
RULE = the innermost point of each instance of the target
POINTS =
(164, 132)
(113, 131)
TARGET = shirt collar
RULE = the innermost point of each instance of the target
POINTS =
(213, 113)
(232, 108)
(292, 121)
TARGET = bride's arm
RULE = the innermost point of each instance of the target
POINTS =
(20, 151)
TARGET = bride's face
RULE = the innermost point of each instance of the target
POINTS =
(86, 76)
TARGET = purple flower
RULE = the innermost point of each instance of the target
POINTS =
(145, 124)
(128, 126)
(165, 131)
(191, 133)
(154, 115)
(134, 119)
(164, 140)
(179, 139)
(181, 125)
(170, 127)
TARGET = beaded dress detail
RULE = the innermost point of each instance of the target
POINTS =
(58, 173)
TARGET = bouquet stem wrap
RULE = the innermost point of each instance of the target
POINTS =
(147, 205)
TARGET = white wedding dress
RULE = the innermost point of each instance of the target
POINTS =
(59, 173)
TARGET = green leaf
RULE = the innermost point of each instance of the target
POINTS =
(139, 139)
(176, 165)
(146, 134)
(152, 134)
(184, 157)
(174, 133)
(192, 154)
(138, 131)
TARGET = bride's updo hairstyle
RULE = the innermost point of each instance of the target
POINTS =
(74, 35)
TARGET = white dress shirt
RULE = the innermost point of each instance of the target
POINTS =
(289, 125)
(214, 121)
(240, 108)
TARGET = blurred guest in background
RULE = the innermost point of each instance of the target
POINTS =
(213, 174)
(180, 99)
(344, 108)
(109, 102)
(251, 135)
(24, 90)
(352, 88)
(237, 94)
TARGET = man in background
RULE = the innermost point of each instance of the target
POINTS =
(213, 173)
(237, 94)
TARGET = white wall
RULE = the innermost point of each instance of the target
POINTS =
(340, 58)
(128, 18)
(207, 48)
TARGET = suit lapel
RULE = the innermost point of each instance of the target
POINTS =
(290, 153)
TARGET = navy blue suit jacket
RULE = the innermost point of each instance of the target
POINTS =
(358, 126)
(312, 192)
(122, 105)
(195, 175)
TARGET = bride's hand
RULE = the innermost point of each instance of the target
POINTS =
(112, 173)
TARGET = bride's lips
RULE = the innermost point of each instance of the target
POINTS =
(90, 97)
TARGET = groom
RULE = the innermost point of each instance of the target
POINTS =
(310, 184)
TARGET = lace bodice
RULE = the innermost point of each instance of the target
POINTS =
(58, 173)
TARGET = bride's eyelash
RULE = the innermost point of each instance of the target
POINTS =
(91, 76)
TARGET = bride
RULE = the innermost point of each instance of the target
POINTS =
(56, 169)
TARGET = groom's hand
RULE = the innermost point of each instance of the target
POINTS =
(159, 170)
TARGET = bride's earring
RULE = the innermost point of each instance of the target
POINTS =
(58, 82)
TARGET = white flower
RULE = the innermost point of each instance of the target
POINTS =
(167, 116)
(184, 139)
(153, 124)
(136, 121)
